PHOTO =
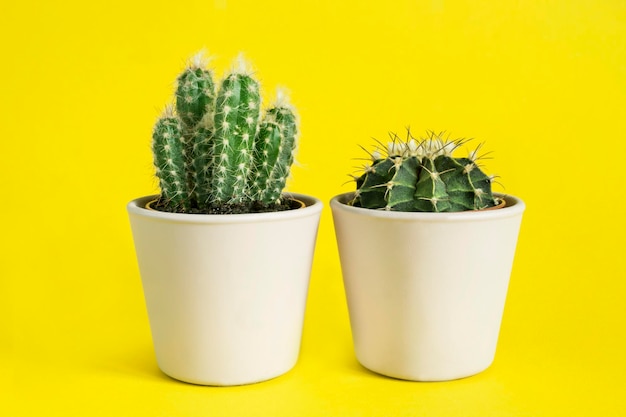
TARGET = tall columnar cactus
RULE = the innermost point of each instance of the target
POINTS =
(236, 121)
(285, 118)
(168, 150)
(423, 175)
(195, 106)
(223, 151)
(278, 143)
(195, 92)
(267, 150)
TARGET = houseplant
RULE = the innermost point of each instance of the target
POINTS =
(224, 255)
(426, 252)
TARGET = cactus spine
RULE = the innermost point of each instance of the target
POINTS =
(423, 175)
(225, 153)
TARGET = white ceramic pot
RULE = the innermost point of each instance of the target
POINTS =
(426, 291)
(225, 294)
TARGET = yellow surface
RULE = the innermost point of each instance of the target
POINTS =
(542, 83)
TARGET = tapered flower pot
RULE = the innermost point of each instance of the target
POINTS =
(426, 291)
(225, 294)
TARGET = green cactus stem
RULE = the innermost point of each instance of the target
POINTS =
(266, 151)
(236, 120)
(283, 114)
(195, 106)
(200, 166)
(195, 92)
(167, 149)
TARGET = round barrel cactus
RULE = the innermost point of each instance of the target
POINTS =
(421, 174)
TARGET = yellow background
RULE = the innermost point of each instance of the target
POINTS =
(542, 83)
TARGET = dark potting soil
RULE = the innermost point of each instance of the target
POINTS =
(255, 207)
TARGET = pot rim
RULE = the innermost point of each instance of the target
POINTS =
(514, 207)
(312, 206)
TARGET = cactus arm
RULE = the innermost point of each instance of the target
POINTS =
(236, 120)
(284, 116)
(200, 167)
(195, 92)
(167, 148)
(266, 152)
(195, 105)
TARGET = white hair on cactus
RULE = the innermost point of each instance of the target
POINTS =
(395, 148)
(432, 148)
(283, 101)
(199, 60)
(208, 121)
(448, 148)
(242, 66)
(168, 111)
(282, 98)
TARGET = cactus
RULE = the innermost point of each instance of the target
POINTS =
(168, 149)
(195, 106)
(195, 92)
(267, 147)
(423, 175)
(281, 120)
(215, 149)
(236, 120)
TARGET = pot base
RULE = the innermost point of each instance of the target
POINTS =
(233, 379)
(402, 373)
